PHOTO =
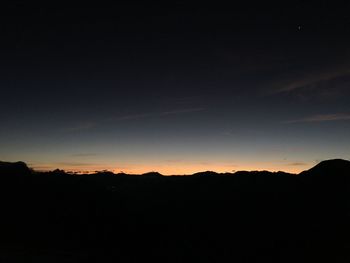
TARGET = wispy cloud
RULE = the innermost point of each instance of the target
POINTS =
(131, 117)
(322, 118)
(181, 111)
(174, 161)
(41, 167)
(75, 164)
(51, 166)
(84, 154)
(297, 164)
(92, 124)
(80, 127)
(312, 80)
(155, 114)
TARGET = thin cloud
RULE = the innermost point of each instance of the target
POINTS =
(156, 114)
(80, 127)
(312, 80)
(51, 166)
(89, 125)
(174, 161)
(132, 117)
(175, 112)
(41, 167)
(186, 100)
(322, 118)
(297, 164)
(84, 154)
(75, 164)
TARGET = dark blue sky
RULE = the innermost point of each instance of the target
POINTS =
(175, 87)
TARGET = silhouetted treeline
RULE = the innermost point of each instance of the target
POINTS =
(206, 217)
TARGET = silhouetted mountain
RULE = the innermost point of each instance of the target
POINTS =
(152, 174)
(330, 175)
(19, 168)
(104, 173)
(208, 217)
(335, 167)
(206, 173)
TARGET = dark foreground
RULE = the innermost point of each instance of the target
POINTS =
(246, 217)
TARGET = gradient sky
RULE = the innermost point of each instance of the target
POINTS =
(174, 88)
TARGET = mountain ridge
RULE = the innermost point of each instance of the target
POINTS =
(338, 166)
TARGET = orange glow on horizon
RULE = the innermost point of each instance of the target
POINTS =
(178, 169)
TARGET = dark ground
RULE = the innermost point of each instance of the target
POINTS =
(245, 217)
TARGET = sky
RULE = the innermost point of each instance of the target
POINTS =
(174, 87)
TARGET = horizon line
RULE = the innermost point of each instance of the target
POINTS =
(171, 170)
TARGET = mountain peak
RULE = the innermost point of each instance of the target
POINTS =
(329, 167)
(14, 168)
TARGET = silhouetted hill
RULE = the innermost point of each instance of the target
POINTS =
(206, 173)
(156, 174)
(19, 168)
(256, 216)
(330, 175)
(335, 167)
